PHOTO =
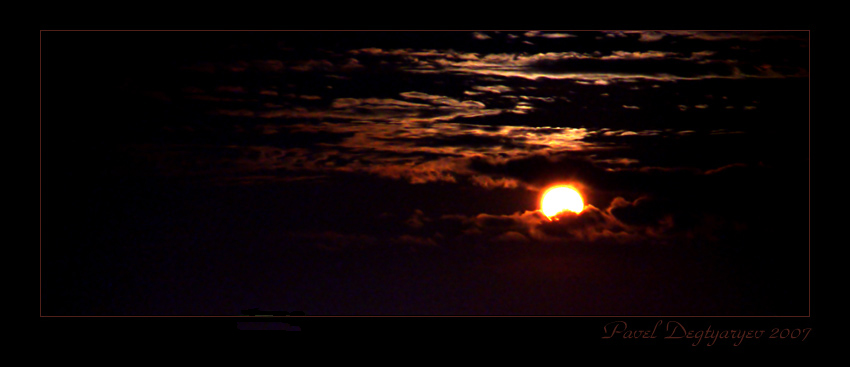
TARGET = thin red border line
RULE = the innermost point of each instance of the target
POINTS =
(409, 316)
(425, 30)
(810, 172)
(157, 30)
(40, 205)
(39, 174)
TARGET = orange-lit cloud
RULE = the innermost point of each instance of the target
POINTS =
(599, 65)
(592, 225)
(469, 133)
(422, 108)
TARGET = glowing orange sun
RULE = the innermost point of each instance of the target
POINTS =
(561, 198)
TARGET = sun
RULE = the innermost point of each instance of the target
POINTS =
(561, 198)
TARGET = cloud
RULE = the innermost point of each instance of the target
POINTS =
(651, 36)
(498, 89)
(417, 220)
(375, 103)
(283, 65)
(427, 108)
(685, 35)
(638, 55)
(539, 170)
(400, 134)
(442, 101)
(669, 211)
(511, 237)
(722, 56)
(608, 162)
(480, 36)
(468, 140)
(605, 66)
(648, 65)
(749, 36)
(494, 182)
(551, 35)
(412, 151)
(739, 167)
(556, 35)
(647, 220)
(601, 180)
(230, 89)
(592, 225)
(644, 211)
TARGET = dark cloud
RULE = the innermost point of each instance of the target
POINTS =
(691, 214)
(590, 225)
(417, 220)
(529, 227)
(749, 36)
(653, 67)
(413, 151)
(542, 170)
(372, 124)
(436, 108)
(339, 64)
(672, 201)
(643, 211)
(471, 141)
(511, 237)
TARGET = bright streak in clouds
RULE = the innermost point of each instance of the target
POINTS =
(559, 199)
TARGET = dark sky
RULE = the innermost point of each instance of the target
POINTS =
(400, 173)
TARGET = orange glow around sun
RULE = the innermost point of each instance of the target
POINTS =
(561, 198)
